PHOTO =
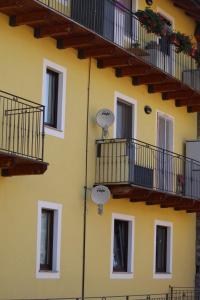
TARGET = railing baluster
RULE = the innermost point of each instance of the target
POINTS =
(146, 165)
(18, 132)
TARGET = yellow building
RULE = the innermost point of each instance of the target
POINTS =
(73, 58)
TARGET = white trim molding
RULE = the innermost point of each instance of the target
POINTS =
(168, 274)
(57, 208)
(131, 101)
(62, 79)
(131, 229)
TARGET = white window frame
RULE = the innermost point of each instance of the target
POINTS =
(129, 274)
(57, 208)
(168, 274)
(133, 102)
(62, 79)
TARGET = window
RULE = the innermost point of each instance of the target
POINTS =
(122, 246)
(51, 100)
(163, 250)
(124, 119)
(125, 111)
(48, 240)
(54, 94)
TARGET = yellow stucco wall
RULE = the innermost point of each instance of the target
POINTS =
(21, 61)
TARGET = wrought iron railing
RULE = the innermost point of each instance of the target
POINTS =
(172, 294)
(141, 164)
(119, 25)
(21, 126)
(186, 293)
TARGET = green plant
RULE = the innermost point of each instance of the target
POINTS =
(152, 22)
(184, 43)
(155, 23)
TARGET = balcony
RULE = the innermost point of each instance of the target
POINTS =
(145, 173)
(22, 136)
(108, 32)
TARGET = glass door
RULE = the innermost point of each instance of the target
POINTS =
(123, 23)
(125, 130)
(164, 174)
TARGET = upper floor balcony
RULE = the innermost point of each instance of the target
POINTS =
(146, 173)
(21, 136)
(113, 35)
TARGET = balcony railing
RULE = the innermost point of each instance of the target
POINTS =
(21, 127)
(140, 164)
(182, 293)
(117, 24)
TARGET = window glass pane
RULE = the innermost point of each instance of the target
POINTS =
(46, 241)
(124, 120)
(161, 249)
(51, 98)
(120, 251)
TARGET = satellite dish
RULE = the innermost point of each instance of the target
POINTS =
(105, 118)
(100, 196)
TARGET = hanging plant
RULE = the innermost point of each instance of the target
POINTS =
(152, 22)
(184, 43)
(155, 23)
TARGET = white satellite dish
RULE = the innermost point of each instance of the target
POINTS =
(100, 196)
(105, 118)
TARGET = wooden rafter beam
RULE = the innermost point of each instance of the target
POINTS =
(118, 190)
(25, 169)
(164, 200)
(75, 41)
(190, 102)
(148, 79)
(53, 30)
(195, 108)
(140, 195)
(7, 162)
(187, 207)
(164, 87)
(11, 4)
(115, 62)
(29, 18)
(156, 198)
(133, 71)
(193, 14)
(182, 94)
(96, 51)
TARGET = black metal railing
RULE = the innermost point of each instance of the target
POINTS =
(172, 294)
(119, 25)
(186, 293)
(138, 163)
(21, 126)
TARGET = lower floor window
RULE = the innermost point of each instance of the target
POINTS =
(48, 240)
(122, 245)
(163, 247)
(46, 243)
(120, 251)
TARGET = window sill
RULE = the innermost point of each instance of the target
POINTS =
(162, 275)
(47, 275)
(118, 275)
(54, 131)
